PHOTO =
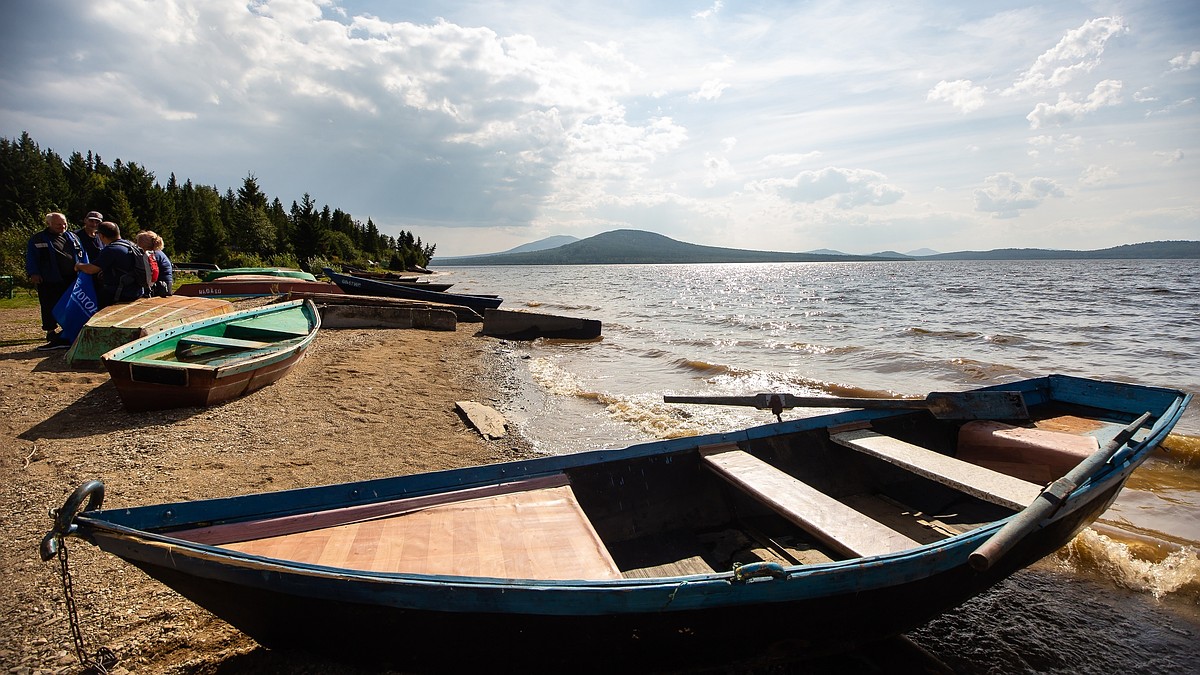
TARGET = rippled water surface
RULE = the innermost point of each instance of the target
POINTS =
(892, 328)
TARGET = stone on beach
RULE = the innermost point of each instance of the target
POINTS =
(488, 422)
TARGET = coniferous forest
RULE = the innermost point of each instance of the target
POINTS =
(198, 223)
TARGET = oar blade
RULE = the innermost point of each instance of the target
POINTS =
(977, 405)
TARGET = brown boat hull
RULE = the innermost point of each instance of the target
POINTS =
(257, 286)
(191, 388)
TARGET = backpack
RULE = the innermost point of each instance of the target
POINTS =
(143, 274)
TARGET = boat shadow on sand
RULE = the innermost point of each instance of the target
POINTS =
(98, 411)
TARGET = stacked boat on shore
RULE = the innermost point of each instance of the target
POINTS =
(196, 348)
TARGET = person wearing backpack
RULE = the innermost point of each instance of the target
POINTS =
(122, 271)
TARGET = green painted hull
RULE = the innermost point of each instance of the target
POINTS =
(263, 271)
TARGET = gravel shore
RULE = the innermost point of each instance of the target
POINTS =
(363, 404)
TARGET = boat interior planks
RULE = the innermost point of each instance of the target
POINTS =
(973, 479)
(524, 534)
(831, 521)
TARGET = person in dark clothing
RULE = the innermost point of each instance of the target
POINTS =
(152, 244)
(115, 268)
(50, 260)
(88, 237)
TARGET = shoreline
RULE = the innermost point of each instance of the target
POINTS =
(364, 403)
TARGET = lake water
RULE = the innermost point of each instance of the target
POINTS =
(1123, 597)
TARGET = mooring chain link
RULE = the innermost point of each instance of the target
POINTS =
(104, 657)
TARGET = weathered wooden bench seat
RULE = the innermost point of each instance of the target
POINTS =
(977, 481)
(218, 342)
(833, 523)
(252, 331)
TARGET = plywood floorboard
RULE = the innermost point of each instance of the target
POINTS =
(535, 534)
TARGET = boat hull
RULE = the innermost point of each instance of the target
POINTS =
(160, 383)
(376, 621)
(649, 615)
(361, 286)
(254, 286)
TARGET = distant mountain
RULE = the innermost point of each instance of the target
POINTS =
(826, 251)
(1154, 250)
(543, 244)
(632, 247)
(921, 252)
(539, 245)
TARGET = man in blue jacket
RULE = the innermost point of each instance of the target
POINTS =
(88, 237)
(50, 259)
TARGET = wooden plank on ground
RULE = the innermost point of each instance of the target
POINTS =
(822, 516)
(977, 481)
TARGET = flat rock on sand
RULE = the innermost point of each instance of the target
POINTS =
(365, 403)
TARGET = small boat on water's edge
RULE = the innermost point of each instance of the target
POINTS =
(361, 286)
(213, 360)
(802, 536)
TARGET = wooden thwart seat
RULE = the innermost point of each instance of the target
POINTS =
(219, 342)
(977, 481)
(832, 522)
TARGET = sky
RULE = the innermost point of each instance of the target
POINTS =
(787, 126)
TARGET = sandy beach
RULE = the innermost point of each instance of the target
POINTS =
(363, 404)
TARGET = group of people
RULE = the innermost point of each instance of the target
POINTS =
(55, 255)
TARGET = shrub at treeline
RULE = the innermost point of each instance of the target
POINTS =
(197, 222)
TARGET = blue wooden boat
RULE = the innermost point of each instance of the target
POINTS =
(361, 286)
(794, 537)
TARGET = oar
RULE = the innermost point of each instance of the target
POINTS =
(1050, 500)
(953, 405)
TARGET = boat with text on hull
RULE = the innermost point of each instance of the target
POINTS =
(793, 538)
(213, 360)
(254, 285)
(361, 286)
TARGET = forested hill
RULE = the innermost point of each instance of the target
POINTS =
(631, 247)
(1153, 250)
(198, 223)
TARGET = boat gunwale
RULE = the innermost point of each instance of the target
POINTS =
(280, 350)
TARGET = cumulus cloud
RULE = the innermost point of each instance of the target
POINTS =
(1004, 196)
(1095, 176)
(1185, 61)
(1077, 52)
(711, 90)
(1060, 144)
(710, 12)
(1068, 109)
(459, 123)
(961, 94)
(1170, 157)
(847, 188)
